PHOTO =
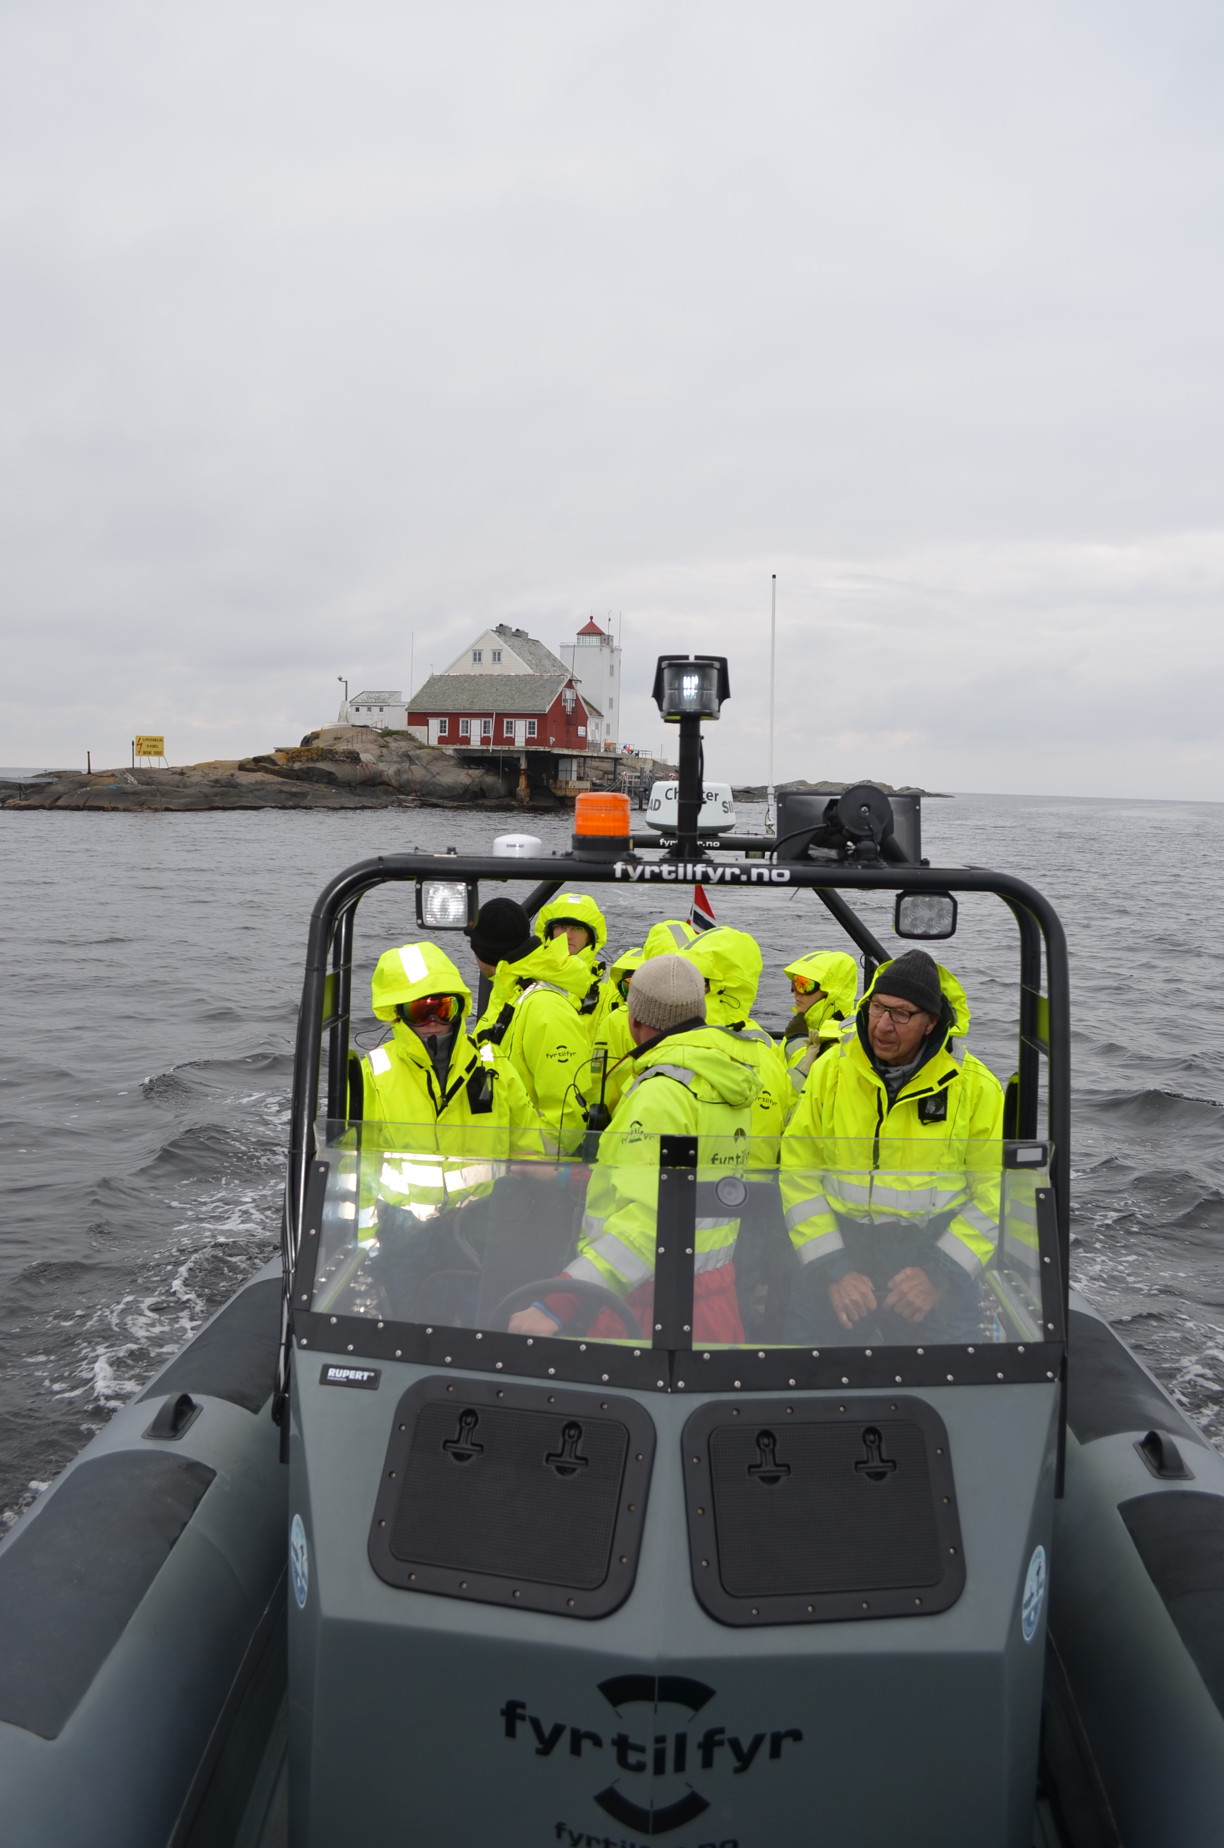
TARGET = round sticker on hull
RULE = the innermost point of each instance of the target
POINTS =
(1034, 1594)
(299, 1561)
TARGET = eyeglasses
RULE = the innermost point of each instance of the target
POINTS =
(430, 1010)
(900, 1016)
(806, 985)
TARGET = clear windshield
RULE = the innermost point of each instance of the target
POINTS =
(838, 1243)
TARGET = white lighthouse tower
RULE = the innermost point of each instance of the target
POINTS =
(594, 660)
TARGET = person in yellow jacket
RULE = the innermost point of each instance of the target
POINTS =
(435, 1086)
(730, 962)
(576, 917)
(823, 985)
(534, 1015)
(439, 1118)
(612, 1044)
(690, 1082)
(890, 1174)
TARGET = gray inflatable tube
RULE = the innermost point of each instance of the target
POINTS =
(1136, 1705)
(142, 1608)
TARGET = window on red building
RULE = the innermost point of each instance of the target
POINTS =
(508, 728)
(531, 728)
(486, 728)
(465, 728)
(443, 727)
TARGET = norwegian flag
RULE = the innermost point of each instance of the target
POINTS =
(701, 911)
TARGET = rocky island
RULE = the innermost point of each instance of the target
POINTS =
(338, 767)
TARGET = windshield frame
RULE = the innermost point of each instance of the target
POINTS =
(323, 1019)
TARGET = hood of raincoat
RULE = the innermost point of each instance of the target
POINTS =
(956, 1004)
(730, 960)
(625, 964)
(666, 937)
(548, 962)
(578, 908)
(707, 1053)
(415, 969)
(837, 974)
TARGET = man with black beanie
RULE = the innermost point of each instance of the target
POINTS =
(534, 1014)
(889, 1176)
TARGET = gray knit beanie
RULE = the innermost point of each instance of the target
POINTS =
(913, 977)
(666, 991)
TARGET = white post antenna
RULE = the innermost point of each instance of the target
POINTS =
(770, 810)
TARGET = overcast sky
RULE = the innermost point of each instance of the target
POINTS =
(325, 324)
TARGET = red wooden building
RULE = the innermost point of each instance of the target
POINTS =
(504, 711)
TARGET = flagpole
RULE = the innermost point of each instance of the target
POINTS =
(770, 816)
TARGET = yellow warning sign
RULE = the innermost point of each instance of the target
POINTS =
(150, 746)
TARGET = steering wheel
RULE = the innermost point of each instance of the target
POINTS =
(595, 1294)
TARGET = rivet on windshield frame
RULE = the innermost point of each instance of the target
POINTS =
(865, 1605)
(463, 1584)
(1020, 1349)
(552, 1398)
(736, 1385)
(428, 1331)
(531, 1341)
(790, 1383)
(569, 1602)
(582, 1347)
(998, 1376)
(1045, 1260)
(761, 1354)
(921, 1350)
(480, 1334)
(501, 1391)
(679, 1385)
(303, 1342)
(705, 1562)
(658, 1382)
(497, 1366)
(333, 1321)
(687, 1329)
(604, 1378)
(897, 1377)
(845, 1382)
(399, 1353)
(350, 1347)
(658, 1328)
(867, 1352)
(306, 1299)
(815, 1353)
(551, 1371)
(755, 1611)
(1049, 1376)
(624, 1559)
(382, 1325)
(637, 1353)
(518, 1594)
(939, 1450)
(951, 1376)
(971, 1350)
(447, 1359)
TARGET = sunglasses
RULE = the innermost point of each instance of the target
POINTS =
(430, 1010)
(806, 985)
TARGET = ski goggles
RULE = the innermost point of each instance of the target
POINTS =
(430, 1010)
(806, 985)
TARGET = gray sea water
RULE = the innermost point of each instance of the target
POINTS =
(152, 965)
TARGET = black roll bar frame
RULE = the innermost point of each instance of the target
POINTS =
(327, 984)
